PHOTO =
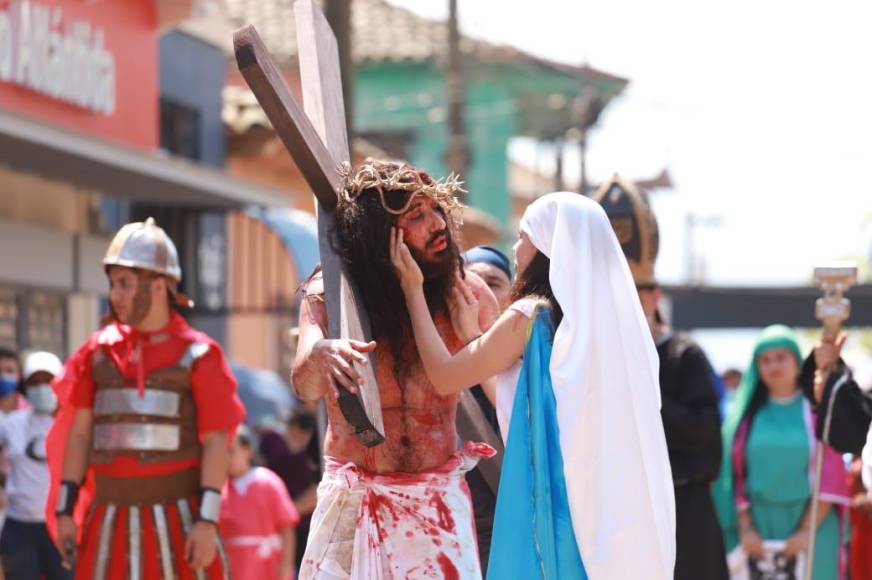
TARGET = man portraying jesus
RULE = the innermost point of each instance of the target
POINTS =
(400, 509)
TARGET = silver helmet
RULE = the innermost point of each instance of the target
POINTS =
(146, 246)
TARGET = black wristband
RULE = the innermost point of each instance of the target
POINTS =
(68, 493)
(210, 505)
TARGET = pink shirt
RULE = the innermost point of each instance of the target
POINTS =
(255, 509)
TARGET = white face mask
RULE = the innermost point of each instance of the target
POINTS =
(42, 398)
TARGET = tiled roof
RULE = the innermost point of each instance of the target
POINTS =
(401, 35)
(383, 32)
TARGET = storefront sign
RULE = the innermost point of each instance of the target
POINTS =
(65, 59)
(90, 65)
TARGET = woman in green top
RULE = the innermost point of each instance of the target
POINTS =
(765, 486)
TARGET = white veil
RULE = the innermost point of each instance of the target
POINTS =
(604, 371)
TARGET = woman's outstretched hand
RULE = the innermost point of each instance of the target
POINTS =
(407, 268)
(463, 307)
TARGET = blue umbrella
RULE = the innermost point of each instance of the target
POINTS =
(266, 396)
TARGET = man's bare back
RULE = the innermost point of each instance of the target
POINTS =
(420, 431)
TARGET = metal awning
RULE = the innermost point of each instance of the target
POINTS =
(114, 169)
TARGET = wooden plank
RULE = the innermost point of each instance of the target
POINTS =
(318, 166)
(472, 425)
(324, 105)
(322, 78)
(321, 170)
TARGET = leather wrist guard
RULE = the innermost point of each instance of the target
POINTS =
(68, 493)
(210, 505)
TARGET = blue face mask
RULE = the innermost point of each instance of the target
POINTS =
(8, 383)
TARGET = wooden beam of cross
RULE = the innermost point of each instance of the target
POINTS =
(472, 425)
(318, 142)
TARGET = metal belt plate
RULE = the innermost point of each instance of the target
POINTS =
(128, 402)
(104, 543)
(187, 524)
(136, 437)
(134, 530)
(163, 538)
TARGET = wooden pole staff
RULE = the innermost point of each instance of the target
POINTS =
(832, 309)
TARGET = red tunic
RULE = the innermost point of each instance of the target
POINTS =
(255, 510)
(213, 389)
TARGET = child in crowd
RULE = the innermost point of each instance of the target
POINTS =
(258, 517)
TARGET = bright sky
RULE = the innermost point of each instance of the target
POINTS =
(762, 111)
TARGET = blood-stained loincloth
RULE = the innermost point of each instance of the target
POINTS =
(395, 526)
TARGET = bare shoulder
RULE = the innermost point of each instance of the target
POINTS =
(503, 343)
(313, 309)
(313, 286)
(511, 325)
(528, 306)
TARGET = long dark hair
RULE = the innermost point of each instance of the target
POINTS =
(363, 226)
(534, 280)
(758, 399)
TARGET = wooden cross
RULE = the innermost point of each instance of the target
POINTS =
(317, 140)
(472, 425)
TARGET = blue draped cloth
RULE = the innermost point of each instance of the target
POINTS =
(533, 535)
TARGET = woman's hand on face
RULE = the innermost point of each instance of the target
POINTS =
(463, 307)
(752, 544)
(406, 267)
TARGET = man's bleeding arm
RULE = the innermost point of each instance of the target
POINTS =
(309, 383)
(321, 363)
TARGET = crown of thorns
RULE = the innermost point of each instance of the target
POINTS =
(384, 177)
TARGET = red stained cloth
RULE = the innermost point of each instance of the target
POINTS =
(395, 525)
(213, 385)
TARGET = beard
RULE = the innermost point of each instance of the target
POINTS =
(140, 305)
(439, 273)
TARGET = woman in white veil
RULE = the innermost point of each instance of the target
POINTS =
(586, 474)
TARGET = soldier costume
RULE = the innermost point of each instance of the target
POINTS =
(153, 396)
(689, 408)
